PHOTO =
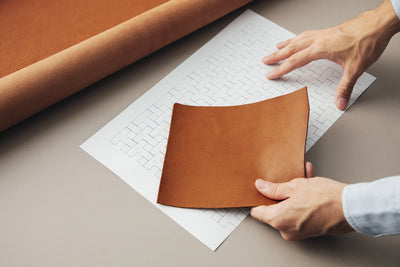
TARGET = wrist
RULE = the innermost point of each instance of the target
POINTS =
(385, 19)
(335, 221)
(343, 224)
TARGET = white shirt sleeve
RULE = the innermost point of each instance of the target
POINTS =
(373, 208)
(396, 6)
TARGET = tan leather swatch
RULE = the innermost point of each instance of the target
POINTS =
(34, 87)
(215, 154)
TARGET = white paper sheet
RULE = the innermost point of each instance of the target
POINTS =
(226, 71)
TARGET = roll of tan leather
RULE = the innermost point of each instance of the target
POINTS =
(32, 30)
(43, 63)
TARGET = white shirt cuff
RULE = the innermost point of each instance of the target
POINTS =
(396, 6)
(373, 208)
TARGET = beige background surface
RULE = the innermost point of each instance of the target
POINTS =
(60, 207)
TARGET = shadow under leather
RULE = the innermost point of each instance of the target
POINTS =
(151, 68)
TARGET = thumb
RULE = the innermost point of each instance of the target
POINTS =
(276, 191)
(344, 89)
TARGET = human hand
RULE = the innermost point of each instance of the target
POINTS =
(309, 206)
(354, 45)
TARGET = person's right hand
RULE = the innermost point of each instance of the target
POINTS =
(307, 207)
(354, 45)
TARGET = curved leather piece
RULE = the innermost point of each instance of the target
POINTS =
(215, 154)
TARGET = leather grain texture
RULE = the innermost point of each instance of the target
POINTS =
(32, 30)
(215, 154)
(41, 84)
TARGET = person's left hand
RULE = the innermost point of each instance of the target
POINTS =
(309, 206)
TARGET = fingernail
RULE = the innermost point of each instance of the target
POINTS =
(265, 58)
(342, 103)
(261, 184)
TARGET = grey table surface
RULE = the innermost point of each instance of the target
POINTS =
(60, 207)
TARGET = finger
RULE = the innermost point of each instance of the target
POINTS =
(277, 191)
(309, 170)
(306, 34)
(283, 44)
(344, 89)
(295, 61)
(263, 213)
(271, 215)
(286, 51)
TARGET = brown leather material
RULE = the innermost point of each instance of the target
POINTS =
(32, 30)
(43, 83)
(215, 154)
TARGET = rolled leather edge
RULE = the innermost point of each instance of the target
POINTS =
(35, 87)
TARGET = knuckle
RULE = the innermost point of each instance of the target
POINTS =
(289, 236)
(318, 48)
(277, 223)
(345, 90)
(322, 43)
(308, 32)
(299, 226)
(291, 48)
(292, 61)
(321, 48)
(304, 34)
(269, 217)
(273, 189)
